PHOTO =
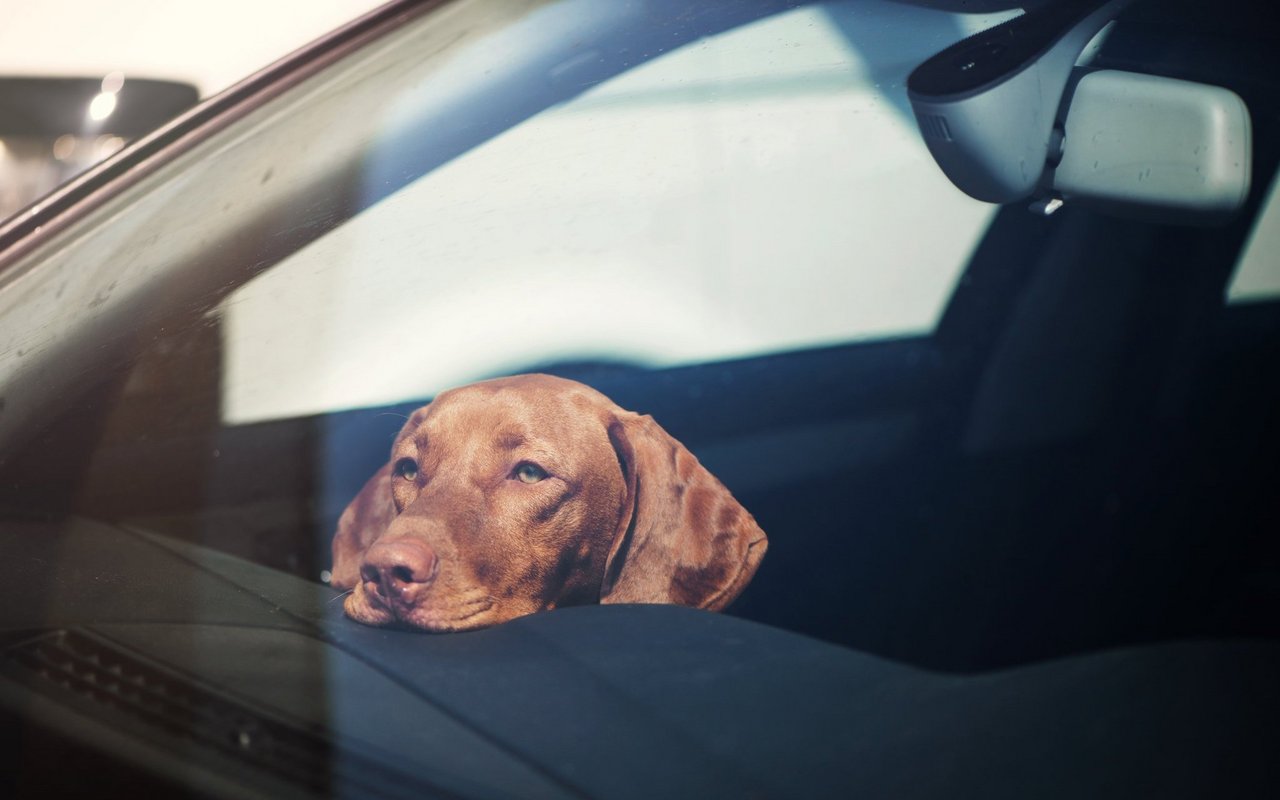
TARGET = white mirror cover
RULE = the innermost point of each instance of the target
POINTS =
(1161, 147)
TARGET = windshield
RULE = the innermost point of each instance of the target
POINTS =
(726, 219)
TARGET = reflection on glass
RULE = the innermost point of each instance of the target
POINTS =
(101, 106)
(55, 128)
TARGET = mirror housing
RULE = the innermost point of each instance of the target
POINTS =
(987, 105)
(1009, 116)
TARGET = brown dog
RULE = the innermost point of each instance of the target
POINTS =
(529, 493)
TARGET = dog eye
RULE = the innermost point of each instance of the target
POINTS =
(406, 468)
(530, 473)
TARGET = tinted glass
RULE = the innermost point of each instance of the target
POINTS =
(975, 436)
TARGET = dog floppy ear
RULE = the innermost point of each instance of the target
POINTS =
(362, 522)
(366, 517)
(682, 538)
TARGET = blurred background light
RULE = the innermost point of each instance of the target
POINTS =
(101, 106)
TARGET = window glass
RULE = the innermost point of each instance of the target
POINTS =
(757, 191)
(1257, 274)
(80, 80)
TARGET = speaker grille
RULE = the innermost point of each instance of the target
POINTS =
(99, 679)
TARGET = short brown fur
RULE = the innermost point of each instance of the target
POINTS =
(624, 514)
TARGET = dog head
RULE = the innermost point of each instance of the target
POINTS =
(529, 493)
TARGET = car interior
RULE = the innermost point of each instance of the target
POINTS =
(1066, 483)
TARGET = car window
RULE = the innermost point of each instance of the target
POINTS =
(1257, 274)
(716, 202)
(727, 221)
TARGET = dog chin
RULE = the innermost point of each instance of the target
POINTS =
(432, 620)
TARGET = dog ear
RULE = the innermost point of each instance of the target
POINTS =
(683, 538)
(366, 517)
(362, 522)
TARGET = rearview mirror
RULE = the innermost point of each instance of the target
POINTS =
(1009, 116)
(1154, 147)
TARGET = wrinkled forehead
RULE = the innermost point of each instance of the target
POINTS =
(512, 416)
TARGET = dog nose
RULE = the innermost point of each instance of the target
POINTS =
(399, 568)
